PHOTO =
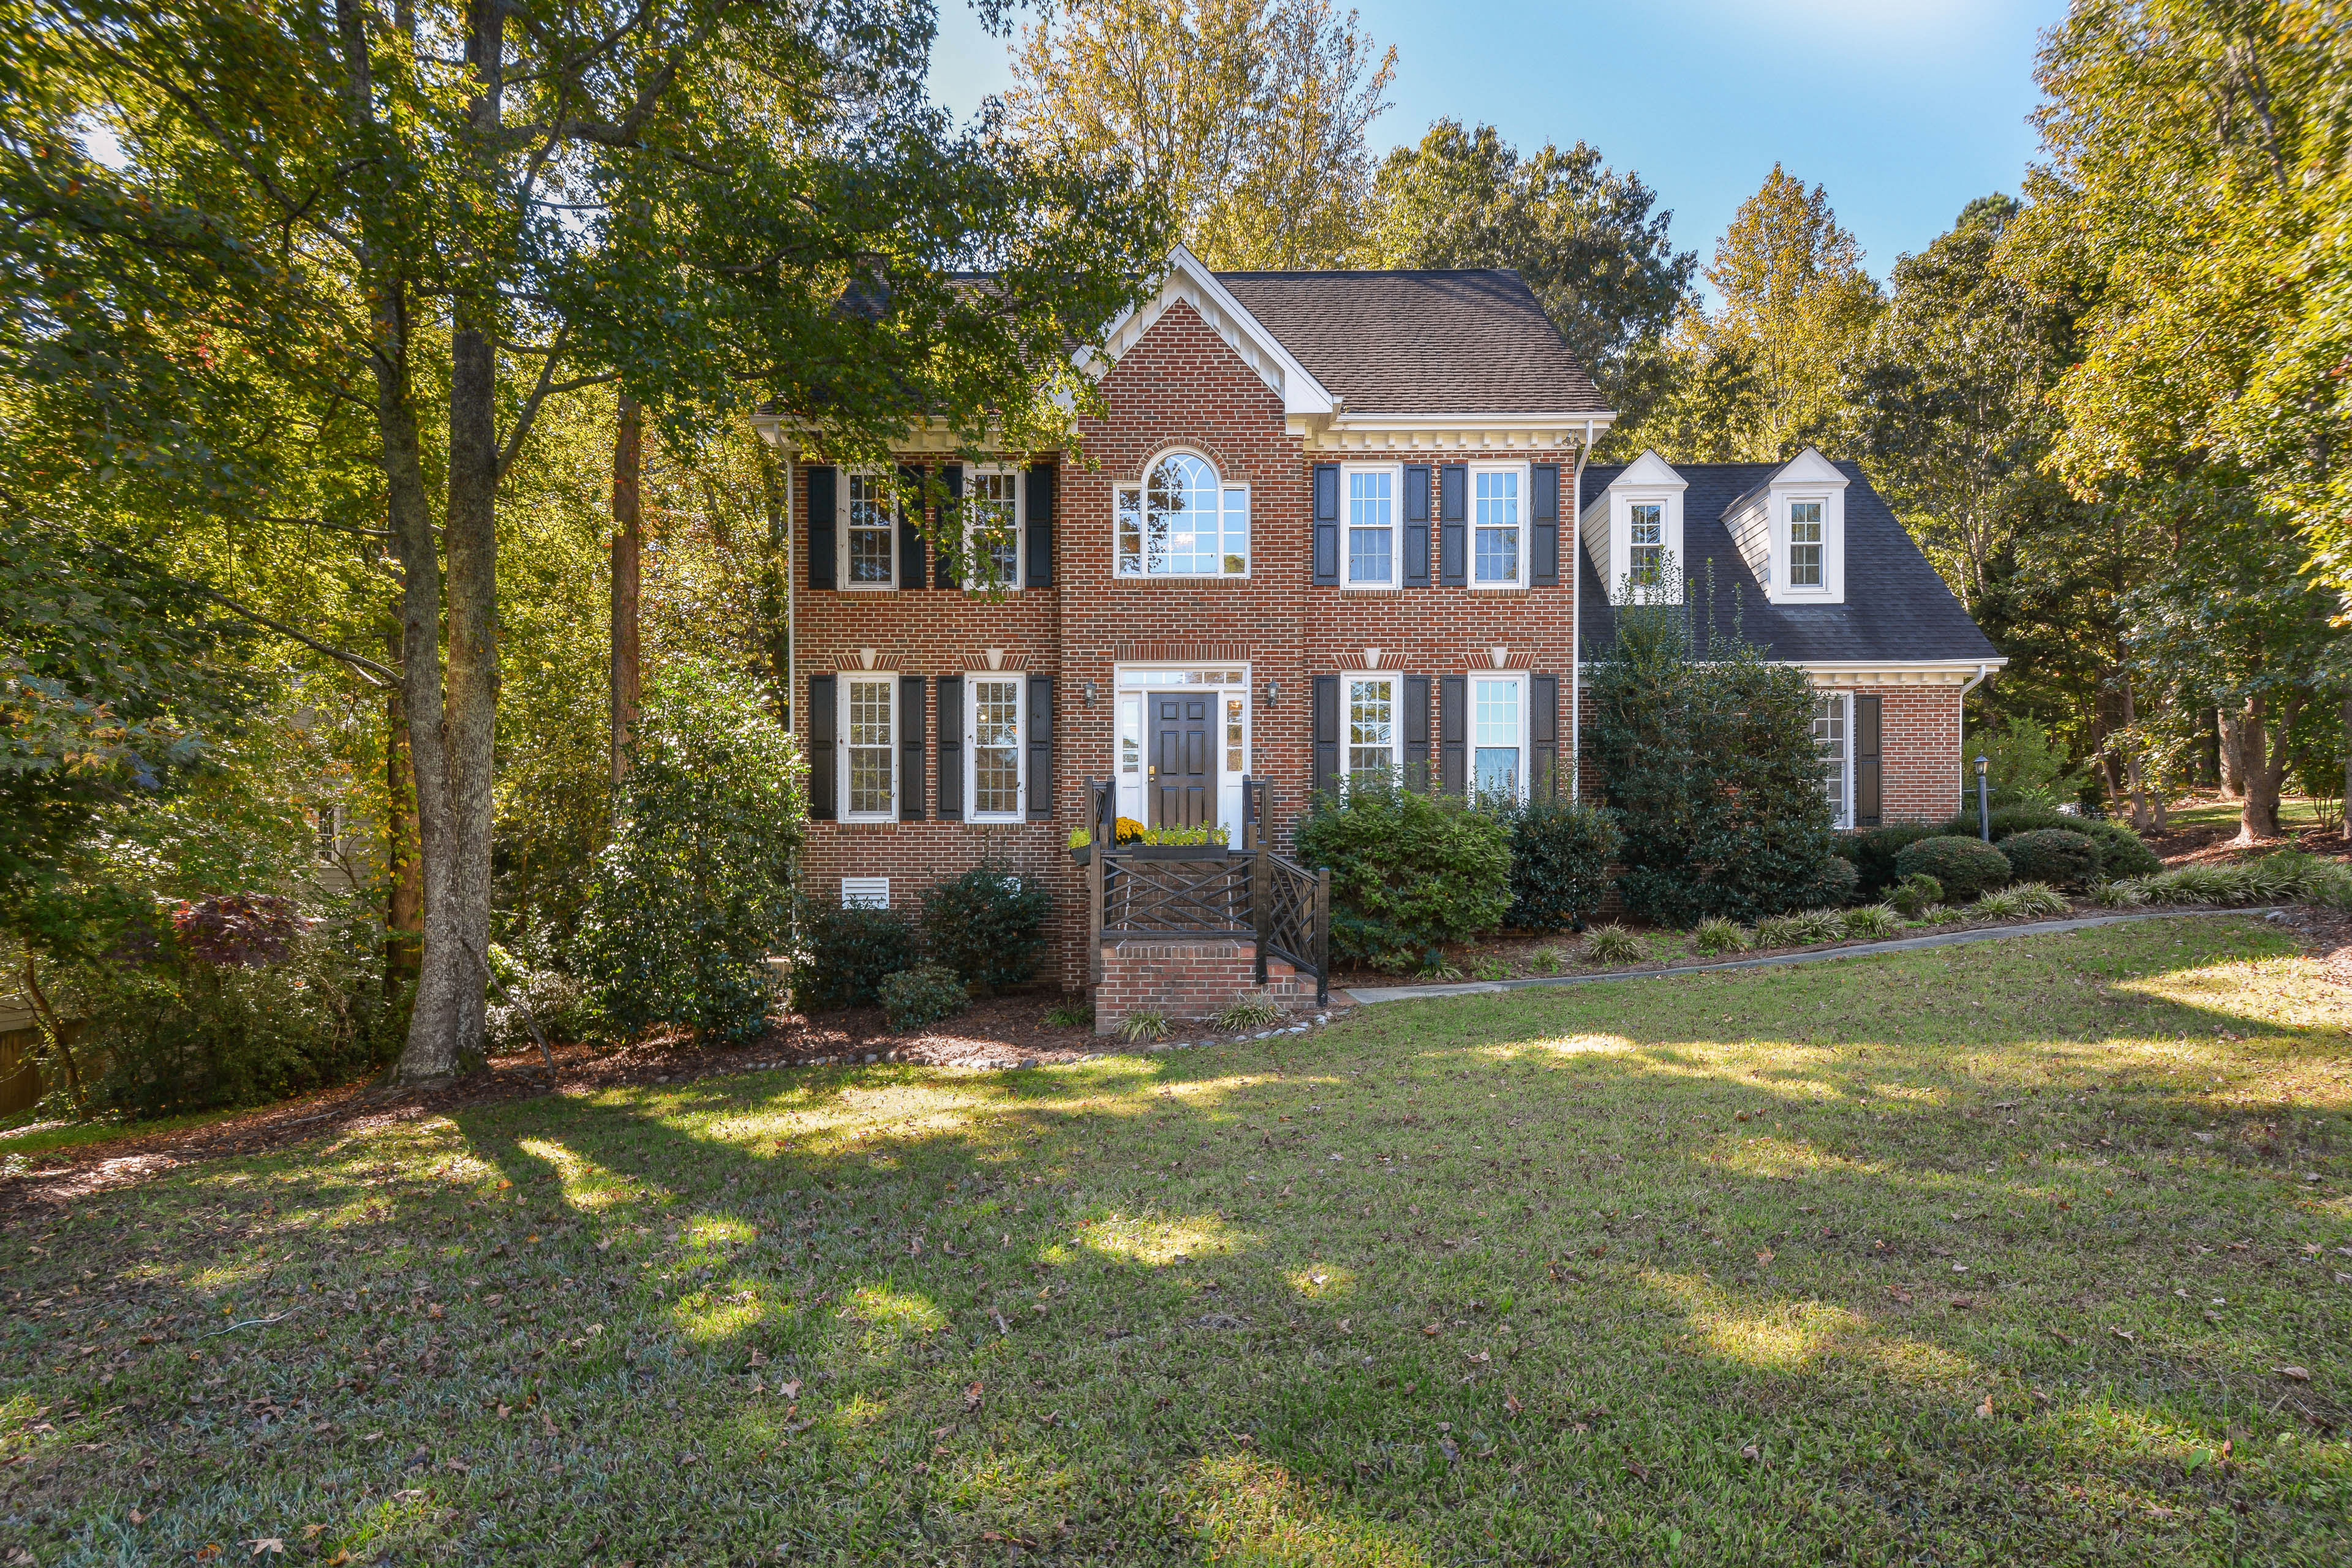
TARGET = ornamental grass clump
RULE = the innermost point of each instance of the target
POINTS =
(1141, 1028)
(1613, 943)
(1869, 922)
(1714, 934)
(1254, 1010)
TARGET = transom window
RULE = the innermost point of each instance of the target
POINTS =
(1649, 542)
(871, 727)
(1372, 729)
(872, 534)
(1495, 547)
(992, 503)
(1829, 735)
(1371, 527)
(1183, 521)
(1805, 544)
(1497, 729)
(995, 746)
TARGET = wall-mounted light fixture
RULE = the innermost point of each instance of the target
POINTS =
(1273, 693)
(1088, 692)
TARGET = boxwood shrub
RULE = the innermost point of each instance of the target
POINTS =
(1560, 862)
(923, 995)
(2058, 855)
(2121, 853)
(1873, 852)
(1965, 867)
(1408, 870)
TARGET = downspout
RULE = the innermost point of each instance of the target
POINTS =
(1576, 622)
(1961, 734)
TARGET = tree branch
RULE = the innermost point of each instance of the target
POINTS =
(369, 669)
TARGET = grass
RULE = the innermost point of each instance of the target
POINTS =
(2297, 814)
(1982, 1253)
(30, 1137)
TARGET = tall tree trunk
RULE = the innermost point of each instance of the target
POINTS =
(404, 915)
(2138, 784)
(628, 545)
(2233, 764)
(2346, 823)
(2264, 753)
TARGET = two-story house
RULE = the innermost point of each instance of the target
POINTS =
(1327, 522)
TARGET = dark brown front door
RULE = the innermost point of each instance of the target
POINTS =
(1184, 768)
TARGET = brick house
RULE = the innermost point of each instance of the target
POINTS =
(1319, 528)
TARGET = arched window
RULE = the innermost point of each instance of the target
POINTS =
(1183, 521)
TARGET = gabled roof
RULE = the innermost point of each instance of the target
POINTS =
(1897, 608)
(1421, 343)
(1262, 351)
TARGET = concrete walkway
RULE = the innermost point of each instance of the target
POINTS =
(1860, 949)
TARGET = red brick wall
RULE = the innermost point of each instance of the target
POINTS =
(1187, 979)
(1919, 744)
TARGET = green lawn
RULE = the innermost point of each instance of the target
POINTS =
(1986, 1254)
(2297, 814)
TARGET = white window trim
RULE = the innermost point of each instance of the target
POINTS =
(841, 541)
(1349, 679)
(849, 680)
(971, 682)
(1785, 538)
(1845, 699)
(1249, 509)
(1621, 525)
(1526, 723)
(1020, 526)
(1470, 528)
(1395, 578)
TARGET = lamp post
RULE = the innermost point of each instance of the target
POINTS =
(1984, 810)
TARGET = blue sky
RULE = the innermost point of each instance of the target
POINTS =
(1904, 110)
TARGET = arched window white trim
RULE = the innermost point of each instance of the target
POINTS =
(1184, 520)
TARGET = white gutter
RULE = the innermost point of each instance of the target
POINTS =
(1961, 735)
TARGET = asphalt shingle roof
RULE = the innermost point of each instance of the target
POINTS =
(1896, 607)
(1421, 343)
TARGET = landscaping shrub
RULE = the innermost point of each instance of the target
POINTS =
(1408, 871)
(1963, 867)
(846, 954)
(2058, 855)
(1873, 852)
(2121, 853)
(531, 989)
(923, 995)
(1254, 1010)
(1869, 922)
(987, 925)
(1836, 883)
(1613, 943)
(2269, 879)
(1709, 760)
(694, 891)
(1800, 929)
(1560, 862)
(1715, 934)
(1915, 893)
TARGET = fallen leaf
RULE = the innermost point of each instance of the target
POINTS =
(138, 1518)
(312, 1531)
(972, 1396)
(273, 1544)
(1765, 1256)
(1511, 1403)
(1899, 1293)
(792, 1390)
(1749, 1452)
(504, 1411)
(2125, 1335)
(2300, 1375)
(758, 1357)
(1430, 1328)
(1985, 1409)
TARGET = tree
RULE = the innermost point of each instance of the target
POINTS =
(1247, 117)
(474, 210)
(1587, 239)
(1795, 306)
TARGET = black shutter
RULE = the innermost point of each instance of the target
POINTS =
(1326, 737)
(1326, 524)
(910, 528)
(1453, 733)
(950, 526)
(1543, 736)
(1416, 527)
(951, 748)
(1040, 780)
(822, 507)
(825, 717)
(911, 747)
(1869, 783)
(1543, 561)
(1416, 702)
(1454, 526)
(1040, 545)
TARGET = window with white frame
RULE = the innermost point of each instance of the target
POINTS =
(992, 527)
(1830, 735)
(1183, 521)
(1371, 527)
(1372, 729)
(1646, 551)
(1498, 737)
(1497, 547)
(871, 538)
(993, 721)
(1237, 735)
(1804, 544)
(870, 760)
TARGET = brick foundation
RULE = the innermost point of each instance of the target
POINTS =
(1188, 978)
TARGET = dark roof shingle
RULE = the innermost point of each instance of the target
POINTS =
(1421, 343)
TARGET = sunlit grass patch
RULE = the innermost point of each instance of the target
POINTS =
(1158, 1242)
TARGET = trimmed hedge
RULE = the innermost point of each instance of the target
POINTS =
(849, 953)
(1560, 862)
(923, 995)
(987, 925)
(2058, 855)
(1873, 852)
(2121, 853)
(1967, 868)
(1408, 870)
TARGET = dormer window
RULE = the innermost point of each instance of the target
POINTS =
(1183, 521)
(1805, 544)
(1633, 530)
(1792, 529)
(1648, 540)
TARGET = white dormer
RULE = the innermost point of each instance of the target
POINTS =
(1635, 529)
(1791, 529)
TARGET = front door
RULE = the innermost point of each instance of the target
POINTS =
(1183, 781)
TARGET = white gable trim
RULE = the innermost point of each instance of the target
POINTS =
(1196, 286)
(1809, 467)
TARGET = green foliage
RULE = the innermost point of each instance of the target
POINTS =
(1560, 855)
(1256, 1011)
(1711, 768)
(1873, 852)
(1914, 894)
(1613, 943)
(1408, 870)
(1142, 1028)
(2288, 875)
(846, 954)
(2023, 765)
(1071, 1015)
(2121, 852)
(1869, 922)
(988, 926)
(1714, 934)
(694, 891)
(922, 995)
(2054, 855)
(1963, 868)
